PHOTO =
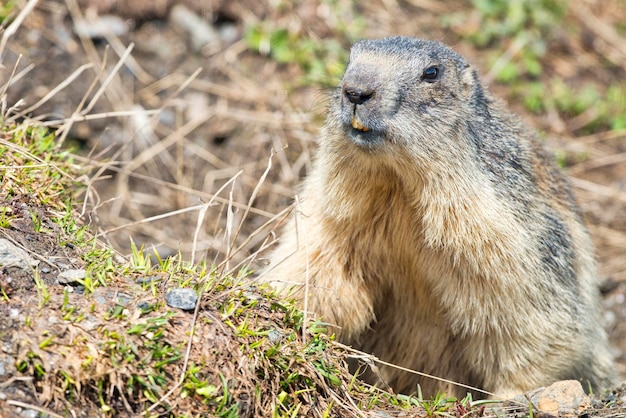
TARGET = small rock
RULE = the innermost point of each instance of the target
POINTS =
(101, 27)
(142, 127)
(106, 296)
(144, 306)
(13, 256)
(380, 414)
(123, 299)
(181, 298)
(29, 413)
(101, 298)
(71, 276)
(275, 336)
(89, 323)
(251, 295)
(197, 106)
(229, 33)
(563, 398)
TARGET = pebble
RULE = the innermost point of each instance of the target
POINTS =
(13, 256)
(101, 27)
(89, 323)
(71, 276)
(123, 298)
(105, 296)
(181, 298)
(275, 336)
(144, 306)
(563, 398)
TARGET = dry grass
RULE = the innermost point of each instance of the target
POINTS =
(107, 344)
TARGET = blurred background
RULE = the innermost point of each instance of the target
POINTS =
(195, 120)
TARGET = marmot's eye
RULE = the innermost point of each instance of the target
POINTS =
(431, 74)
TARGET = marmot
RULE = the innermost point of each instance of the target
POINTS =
(436, 233)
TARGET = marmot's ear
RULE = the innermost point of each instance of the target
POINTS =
(469, 79)
(472, 88)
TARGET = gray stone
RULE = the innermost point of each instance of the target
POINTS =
(71, 276)
(123, 298)
(29, 413)
(563, 398)
(13, 256)
(275, 336)
(101, 26)
(181, 298)
(144, 306)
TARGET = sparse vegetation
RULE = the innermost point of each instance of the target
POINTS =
(519, 38)
(321, 61)
(441, 405)
(109, 351)
(525, 26)
(584, 104)
(6, 10)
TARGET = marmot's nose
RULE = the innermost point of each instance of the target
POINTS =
(358, 95)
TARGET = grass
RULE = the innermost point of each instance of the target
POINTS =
(27, 151)
(114, 345)
(520, 38)
(442, 405)
(523, 28)
(322, 61)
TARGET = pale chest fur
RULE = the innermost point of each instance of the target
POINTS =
(453, 256)
(371, 226)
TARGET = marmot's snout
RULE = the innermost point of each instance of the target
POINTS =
(361, 96)
(357, 95)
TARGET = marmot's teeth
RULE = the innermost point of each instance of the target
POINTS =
(356, 124)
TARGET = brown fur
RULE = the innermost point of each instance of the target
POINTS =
(443, 239)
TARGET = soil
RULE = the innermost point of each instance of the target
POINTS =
(185, 138)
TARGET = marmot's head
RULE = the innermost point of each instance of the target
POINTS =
(402, 94)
